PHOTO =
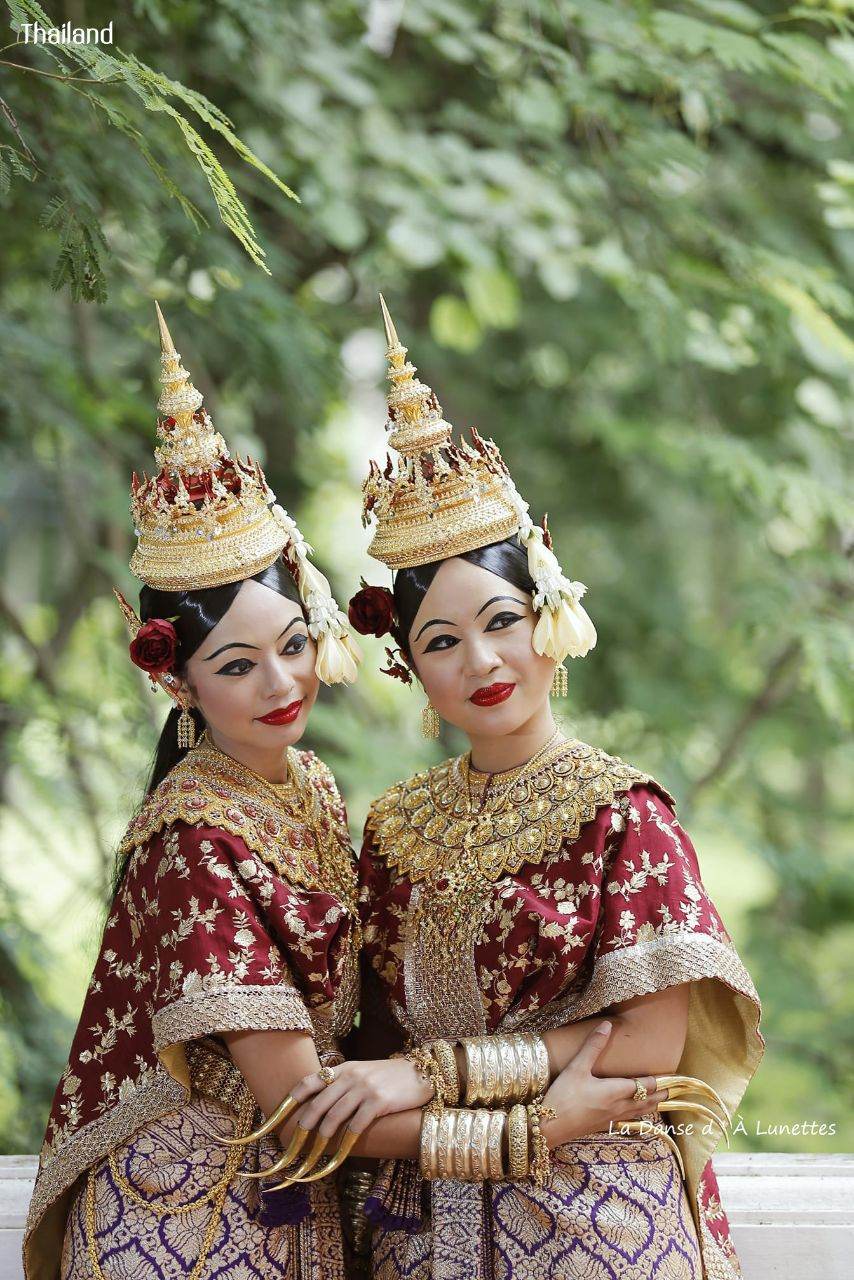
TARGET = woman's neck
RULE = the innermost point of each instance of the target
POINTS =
(491, 754)
(272, 766)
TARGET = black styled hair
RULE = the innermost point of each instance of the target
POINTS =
(195, 615)
(507, 559)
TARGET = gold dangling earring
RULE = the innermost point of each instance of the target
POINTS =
(430, 722)
(560, 682)
(186, 730)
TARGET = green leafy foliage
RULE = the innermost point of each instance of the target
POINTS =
(79, 264)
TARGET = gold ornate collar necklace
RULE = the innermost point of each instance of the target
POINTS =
(424, 827)
(285, 824)
(494, 796)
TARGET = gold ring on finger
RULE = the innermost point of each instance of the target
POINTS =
(640, 1093)
(326, 1075)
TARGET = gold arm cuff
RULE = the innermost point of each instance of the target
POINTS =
(443, 1052)
(495, 1145)
(479, 1145)
(501, 1070)
(443, 1144)
(518, 1165)
(427, 1149)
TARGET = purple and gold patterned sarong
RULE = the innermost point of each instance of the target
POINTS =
(615, 1208)
(171, 1161)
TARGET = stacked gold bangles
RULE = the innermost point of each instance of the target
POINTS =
(475, 1142)
(513, 1071)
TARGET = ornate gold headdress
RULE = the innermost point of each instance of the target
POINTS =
(445, 499)
(207, 518)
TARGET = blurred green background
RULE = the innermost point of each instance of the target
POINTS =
(617, 237)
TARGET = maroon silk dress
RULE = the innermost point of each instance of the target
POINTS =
(237, 910)
(581, 892)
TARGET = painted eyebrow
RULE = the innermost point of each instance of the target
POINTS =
(495, 599)
(236, 644)
(435, 622)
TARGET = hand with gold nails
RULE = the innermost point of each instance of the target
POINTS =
(334, 1106)
(360, 1093)
(585, 1103)
(681, 1087)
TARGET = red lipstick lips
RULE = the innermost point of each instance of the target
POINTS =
(491, 694)
(282, 715)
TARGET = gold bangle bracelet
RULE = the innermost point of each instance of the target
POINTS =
(508, 1068)
(542, 1074)
(474, 1072)
(479, 1145)
(491, 1058)
(523, 1073)
(427, 1147)
(495, 1145)
(443, 1052)
(443, 1145)
(517, 1142)
(462, 1144)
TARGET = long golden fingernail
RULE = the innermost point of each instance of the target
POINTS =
(319, 1146)
(279, 1116)
(695, 1106)
(680, 1085)
(298, 1140)
(348, 1142)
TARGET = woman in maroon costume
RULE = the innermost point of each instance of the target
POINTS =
(529, 886)
(228, 965)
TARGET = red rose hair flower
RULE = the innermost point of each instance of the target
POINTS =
(154, 646)
(371, 611)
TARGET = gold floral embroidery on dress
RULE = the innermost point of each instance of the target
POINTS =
(423, 825)
(429, 830)
(298, 830)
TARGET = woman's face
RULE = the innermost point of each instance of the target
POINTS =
(471, 645)
(253, 676)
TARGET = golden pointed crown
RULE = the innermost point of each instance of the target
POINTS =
(205, 518)
(444, 498)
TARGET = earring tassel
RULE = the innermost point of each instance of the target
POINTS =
(430, 723)
(186, 731)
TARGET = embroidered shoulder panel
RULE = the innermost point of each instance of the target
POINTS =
(300, 830)
(421, 823)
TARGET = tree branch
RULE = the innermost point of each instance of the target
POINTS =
(777, 686)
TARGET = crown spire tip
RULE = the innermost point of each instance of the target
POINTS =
(390, 331)
(167, 346)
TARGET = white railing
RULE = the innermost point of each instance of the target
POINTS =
(792, 1216)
